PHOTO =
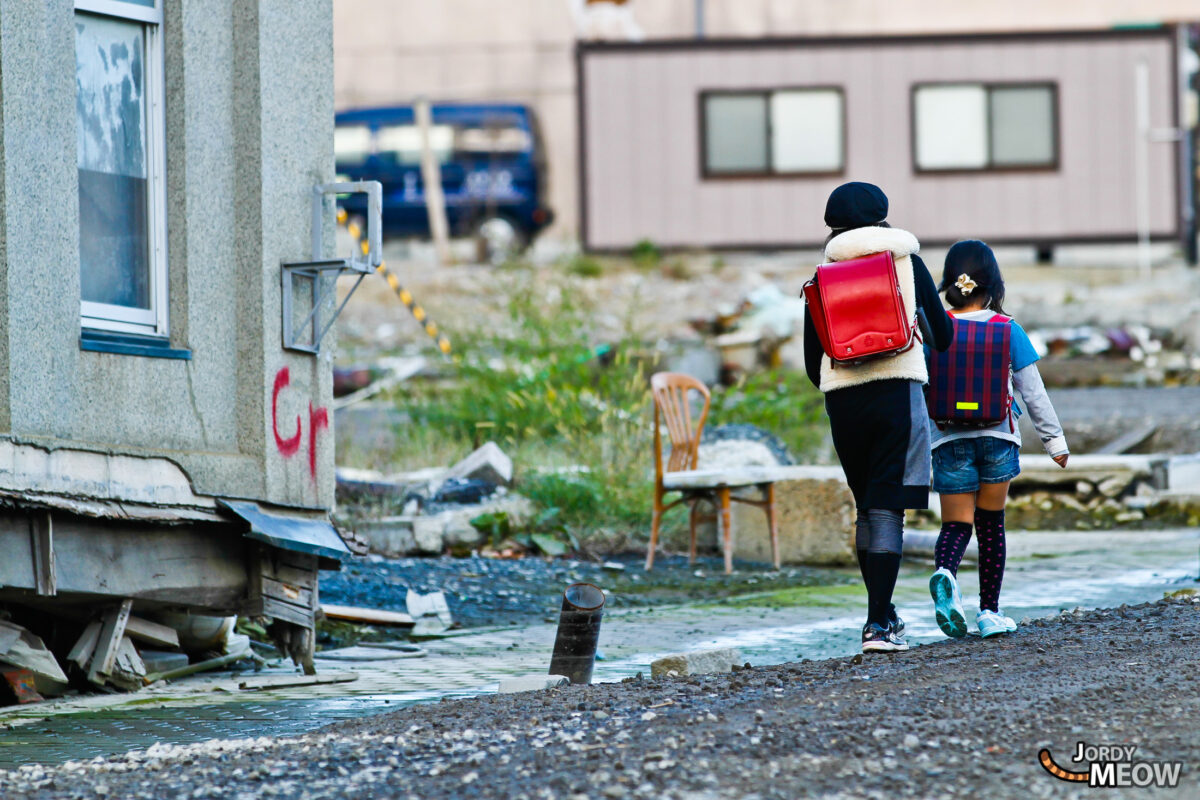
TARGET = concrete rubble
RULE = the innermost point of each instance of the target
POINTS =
(697, 662)
(437, 505)
(532, 683)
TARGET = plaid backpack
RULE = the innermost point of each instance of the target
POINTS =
(969, 382)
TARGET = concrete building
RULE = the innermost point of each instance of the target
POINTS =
(157, 442)
(390, 51)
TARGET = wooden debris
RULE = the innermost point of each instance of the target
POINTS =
(128, 668)
(81, 653)
(151, 632)
(27, 651)
(111, 634)
(370, 616)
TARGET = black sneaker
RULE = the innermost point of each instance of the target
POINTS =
(878, 639)
(895, 621)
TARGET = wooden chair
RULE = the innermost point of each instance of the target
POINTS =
(714, 486)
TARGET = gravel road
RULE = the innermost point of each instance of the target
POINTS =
(952, 719)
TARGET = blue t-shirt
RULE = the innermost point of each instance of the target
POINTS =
(1021, 349)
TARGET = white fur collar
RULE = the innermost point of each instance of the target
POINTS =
(865, 241)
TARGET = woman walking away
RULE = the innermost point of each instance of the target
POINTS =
(876, 408)
(974, 461)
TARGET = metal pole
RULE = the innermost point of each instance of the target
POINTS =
(699, 19)
(431, 175)
(1141, 163)
(578, 632)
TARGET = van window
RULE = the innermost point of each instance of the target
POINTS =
(403, 143)
(493, 139)
(351, 144)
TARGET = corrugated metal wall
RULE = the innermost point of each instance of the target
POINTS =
(642, 165)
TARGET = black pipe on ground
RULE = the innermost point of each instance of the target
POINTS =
(578, 632)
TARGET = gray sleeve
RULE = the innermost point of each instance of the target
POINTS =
(1028, 381)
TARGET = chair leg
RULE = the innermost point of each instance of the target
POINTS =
(772, 524)
(654, 520)
(692, 515)
(726, 527)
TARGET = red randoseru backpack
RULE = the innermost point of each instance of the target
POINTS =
(969, 382)
(858, 311)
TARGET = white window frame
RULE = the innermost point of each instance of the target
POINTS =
(123, 319)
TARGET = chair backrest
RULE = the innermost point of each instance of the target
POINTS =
(670, 391)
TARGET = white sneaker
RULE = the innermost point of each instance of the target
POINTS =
(947, 604)
(992, 623)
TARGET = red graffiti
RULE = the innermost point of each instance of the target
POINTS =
(318, 418)
(290, 445)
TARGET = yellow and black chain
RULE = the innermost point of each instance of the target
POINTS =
(431, 328)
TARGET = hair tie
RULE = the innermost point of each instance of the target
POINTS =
(965, 284)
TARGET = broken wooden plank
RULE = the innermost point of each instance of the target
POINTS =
(109, 642)
(151, 632)
(128, 669)
(370, 616)
(287, 681)
(41, 537)
(81, 653)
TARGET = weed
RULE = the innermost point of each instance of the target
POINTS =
(646, 255)
(574, 412)
(584, 266)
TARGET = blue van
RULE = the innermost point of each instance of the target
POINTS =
(492, 162)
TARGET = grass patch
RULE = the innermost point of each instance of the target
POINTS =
(811, 596)
(571, 408)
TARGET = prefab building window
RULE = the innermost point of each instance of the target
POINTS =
(782, 132)
(970, 126)
(122, 181)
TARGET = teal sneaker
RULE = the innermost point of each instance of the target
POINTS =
(992, 623)
(947, 604)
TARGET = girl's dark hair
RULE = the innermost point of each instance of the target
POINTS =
(839, 231)
(976, 260)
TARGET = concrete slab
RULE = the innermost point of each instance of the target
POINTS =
(698, 662)
(815, 513)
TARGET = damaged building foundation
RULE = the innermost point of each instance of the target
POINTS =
(165, 293)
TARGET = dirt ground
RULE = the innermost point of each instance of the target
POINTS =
(953, 719)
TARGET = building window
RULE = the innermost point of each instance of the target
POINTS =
(782, 132)
(971, 126)
(122, 180)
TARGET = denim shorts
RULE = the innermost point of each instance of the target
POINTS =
(960, 465)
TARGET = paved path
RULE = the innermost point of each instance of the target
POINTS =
(1047, 572)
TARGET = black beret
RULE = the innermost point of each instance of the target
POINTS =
(854, 205)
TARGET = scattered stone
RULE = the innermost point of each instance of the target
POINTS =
(489, 463)
(698, 662)
(532, 683)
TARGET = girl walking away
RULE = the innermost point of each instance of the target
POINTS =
(974, 461)
(876, 408)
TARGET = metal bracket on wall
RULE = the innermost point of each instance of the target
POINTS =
(322, 272)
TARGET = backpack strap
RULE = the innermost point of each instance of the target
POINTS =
(1012, 426)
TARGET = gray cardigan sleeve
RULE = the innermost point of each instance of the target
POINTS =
(1028, 381)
